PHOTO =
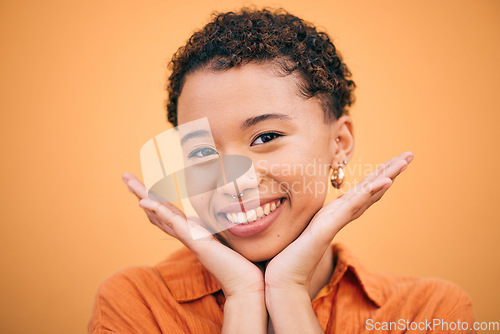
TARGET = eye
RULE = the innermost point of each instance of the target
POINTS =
(265, 137)
(202, 152)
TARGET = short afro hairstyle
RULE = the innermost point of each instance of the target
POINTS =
(234, 39)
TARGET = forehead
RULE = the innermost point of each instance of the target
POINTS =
(239, 92)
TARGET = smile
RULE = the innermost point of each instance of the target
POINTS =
(254, 214)
(250, 223)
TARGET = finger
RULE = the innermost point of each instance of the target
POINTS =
(396, 168)
(163, 213)
(362, 195)
(392, 172)
(375, 198)
(138, 189)
(167, 217)
(352, 204)
(344, 209)
(368, 186)
(390, 169)
(135, 186)
(405, 156)
(153, 218)
(338, 213)
(174, 209)
(358, 205)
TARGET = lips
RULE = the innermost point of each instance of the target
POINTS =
(242, 221)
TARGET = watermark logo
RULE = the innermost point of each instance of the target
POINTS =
(182, 165)
(430, 325)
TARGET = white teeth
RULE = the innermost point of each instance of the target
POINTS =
(242, 218)
(252, 215)
(267, 209)
(260, 212)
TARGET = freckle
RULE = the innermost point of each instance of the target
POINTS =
(277, 235)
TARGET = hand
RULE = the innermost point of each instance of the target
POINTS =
(290, 271)
(241, 281)
(234, 273)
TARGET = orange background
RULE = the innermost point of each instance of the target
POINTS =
(81, 89)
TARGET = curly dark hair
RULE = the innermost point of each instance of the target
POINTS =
(267, 35)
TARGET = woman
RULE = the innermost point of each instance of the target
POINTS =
(275, 90)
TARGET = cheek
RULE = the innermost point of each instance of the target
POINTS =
(201, 204)
(306, 178)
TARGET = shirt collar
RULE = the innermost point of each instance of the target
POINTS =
(188, 280)
(185, 276)
(345, 261)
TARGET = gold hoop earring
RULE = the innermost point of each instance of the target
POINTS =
(337, 178)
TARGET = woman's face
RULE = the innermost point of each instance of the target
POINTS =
(254, 113)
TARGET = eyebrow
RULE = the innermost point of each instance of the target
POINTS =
(257, 119)
(246, 124)
(195, 134)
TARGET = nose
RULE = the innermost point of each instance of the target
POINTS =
(239, 178)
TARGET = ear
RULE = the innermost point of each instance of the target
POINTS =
(343, 148)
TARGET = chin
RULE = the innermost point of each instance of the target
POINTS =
(261, 255)
(259, 258)
(260, 250)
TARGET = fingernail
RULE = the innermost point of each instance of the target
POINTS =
(125, 179)
(402, 169)
(409, 159)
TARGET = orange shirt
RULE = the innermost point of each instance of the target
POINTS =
(180, 296)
